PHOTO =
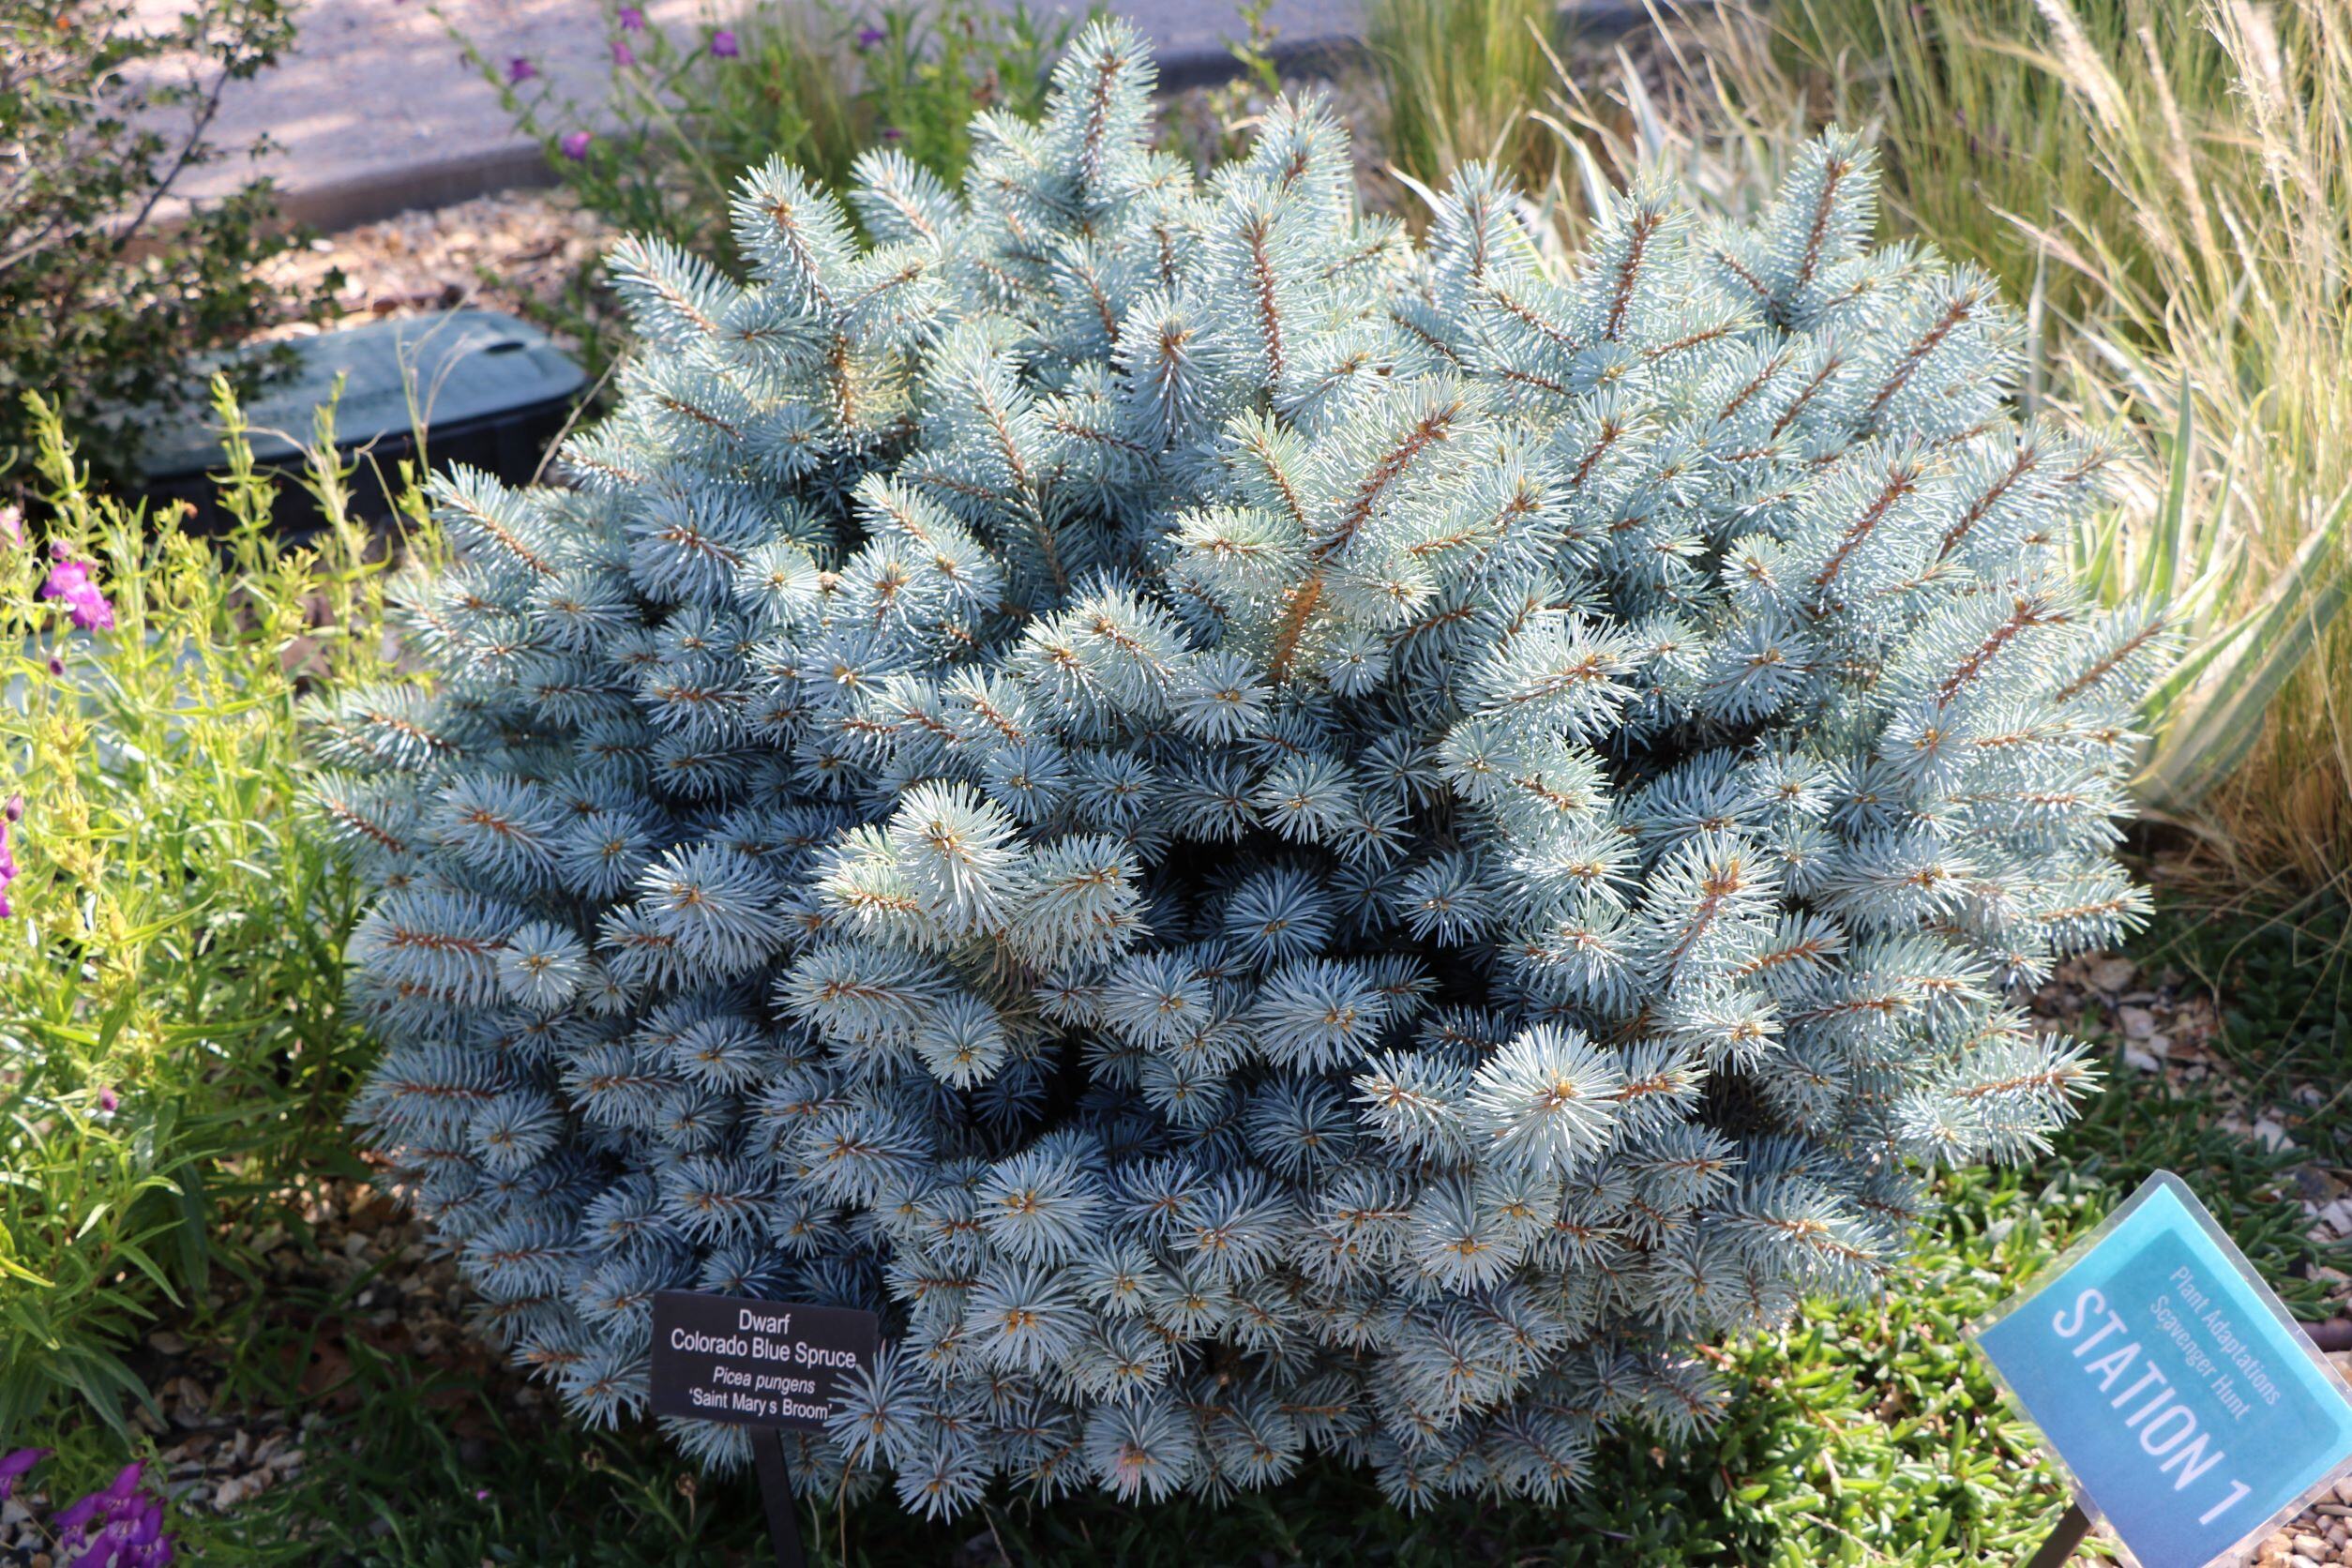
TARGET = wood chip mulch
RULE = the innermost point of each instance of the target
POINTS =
(518, 251)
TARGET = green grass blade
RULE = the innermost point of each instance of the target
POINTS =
(2214, 736)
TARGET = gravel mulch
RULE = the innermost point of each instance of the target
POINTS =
(2169, 1027)
(2322, 1535)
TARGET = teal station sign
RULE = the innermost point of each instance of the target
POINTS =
(2172, 1384)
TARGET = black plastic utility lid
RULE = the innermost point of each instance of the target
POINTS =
(491, 391)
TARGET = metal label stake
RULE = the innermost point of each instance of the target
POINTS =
(2072, 1527)
(775, 1495)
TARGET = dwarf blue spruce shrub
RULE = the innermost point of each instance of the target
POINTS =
(1271, 839)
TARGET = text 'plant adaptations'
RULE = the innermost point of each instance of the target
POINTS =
(1271, 839)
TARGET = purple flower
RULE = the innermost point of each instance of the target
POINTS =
(108, 1100)
(575, 144)
(71, 1524)
(869, 38)
(145, 1527)
(102, 1505)
(723, 44)
(890, 133)
(70, 583)
(623, 56)
(121, 1527)
(56, 665)
(14, 809)
(632, 20)
(520, 70)
(12, 1469)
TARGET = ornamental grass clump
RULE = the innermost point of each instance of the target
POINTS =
(1270, 840)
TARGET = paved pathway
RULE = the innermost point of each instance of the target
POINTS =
(376, 110)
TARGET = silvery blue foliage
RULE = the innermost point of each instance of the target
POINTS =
(1272, 839)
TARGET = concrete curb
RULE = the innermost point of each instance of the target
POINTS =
(442, 183)
(1183, 69)
(518, 164)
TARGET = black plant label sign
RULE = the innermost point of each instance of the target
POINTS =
(754, 1363)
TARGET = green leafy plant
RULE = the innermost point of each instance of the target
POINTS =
(172, 1045)
(102, 303)
(1211, 125)
(656, 148)
(924, 72)
(652, 153)
(686, 108)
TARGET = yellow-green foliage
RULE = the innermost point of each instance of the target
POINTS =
(1458, 81)
(171, 1043)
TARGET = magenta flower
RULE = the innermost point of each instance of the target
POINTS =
(520, 70)
(890, 133)
(632, 20)
(70, 582)
(14, 814)
(869, 38)
(12, 1469)
(56, 665)
(109, 1101)
(623, 56)
(575, 144)
(724, 45)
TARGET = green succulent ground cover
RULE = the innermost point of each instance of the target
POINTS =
(1866, 1435)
